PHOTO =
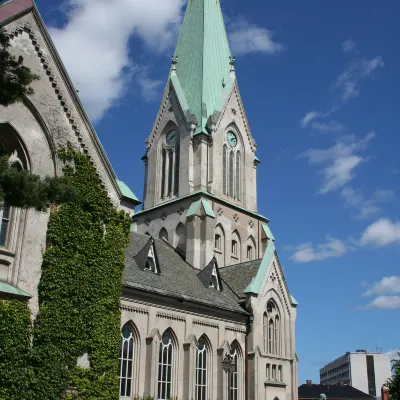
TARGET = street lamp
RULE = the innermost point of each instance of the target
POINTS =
(229, 366)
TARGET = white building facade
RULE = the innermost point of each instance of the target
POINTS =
(365, 371)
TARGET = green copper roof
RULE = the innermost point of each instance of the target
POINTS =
(7, 289)
(294, 301)
(203, 64)
(206, 206)
(126, 192)
(268, 232)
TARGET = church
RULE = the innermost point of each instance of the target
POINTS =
(206, 311)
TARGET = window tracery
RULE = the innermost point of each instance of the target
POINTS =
(232, 166)
(201, 371)
(165, 367)
(170, 160)
(126, 363)
(274, 328)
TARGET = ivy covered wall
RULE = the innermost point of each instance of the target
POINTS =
(77, 332)
(15, 338)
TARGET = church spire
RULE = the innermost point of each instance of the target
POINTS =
(203, 62)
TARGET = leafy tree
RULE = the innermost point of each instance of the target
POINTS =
(393, 383)
(19, 188)
(15, 78)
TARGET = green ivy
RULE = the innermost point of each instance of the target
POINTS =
(15, 335)
(79, 293)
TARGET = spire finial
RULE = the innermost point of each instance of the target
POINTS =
(174, 62)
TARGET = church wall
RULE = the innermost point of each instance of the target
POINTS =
(55, 101)
(153, 318)
(275, 290)
(233, 118)
(28, 229)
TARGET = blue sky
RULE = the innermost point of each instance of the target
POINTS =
(320, 85)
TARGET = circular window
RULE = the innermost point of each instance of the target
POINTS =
(171, 138)
(231, 139)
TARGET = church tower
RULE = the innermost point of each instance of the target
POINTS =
(200, 190)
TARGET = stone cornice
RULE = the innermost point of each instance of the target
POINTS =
(170, 317)
(203, 323)
(133, 309)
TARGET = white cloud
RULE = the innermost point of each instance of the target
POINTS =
(348, 45)
(385, 302)
(327, 127)
(366, 207)
(94, 44)
(306, 252)
(393, 354)
(381, 233)
(340, 161)
(387, 285)
(248, 38)
(358, 69)
(310, 117)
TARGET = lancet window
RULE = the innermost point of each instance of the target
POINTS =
(271, 317)
(232, 166)
(169, 171)
(201, 371)
(165, 360)
(126, 363)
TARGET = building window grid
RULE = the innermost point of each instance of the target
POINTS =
(126, 363)
(201, 371)
(165, 368)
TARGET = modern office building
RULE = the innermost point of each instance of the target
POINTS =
(366, 371)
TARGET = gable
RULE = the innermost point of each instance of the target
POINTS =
(61, 113)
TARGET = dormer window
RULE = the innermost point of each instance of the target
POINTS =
(214, 279)
(151, 264)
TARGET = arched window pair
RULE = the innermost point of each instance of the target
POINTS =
(170, 158)
(271, 329)
(231, 167)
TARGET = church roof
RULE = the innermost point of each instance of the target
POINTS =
(176, 278)
(239, 276)
(203, 61)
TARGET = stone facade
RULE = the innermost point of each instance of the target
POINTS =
(200, 205)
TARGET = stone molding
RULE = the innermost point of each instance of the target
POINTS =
(69, 113)
(203, 323)
(170, 316)
(134, 309)
(238, 330)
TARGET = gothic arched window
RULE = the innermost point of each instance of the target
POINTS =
(274, 328)
(237, 177)
(224, 169)
(201, 371)
(265, 331)
(232, 166)
(231, 172)
(126, 363)
(165, 367)
(234, 381)
(170, 159)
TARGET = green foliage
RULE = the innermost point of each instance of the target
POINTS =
(20, 188)
(394, 383)
(15, 333)
(15, 78)
(79, 292)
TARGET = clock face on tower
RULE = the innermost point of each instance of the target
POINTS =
(171, 138)
(231, 139)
